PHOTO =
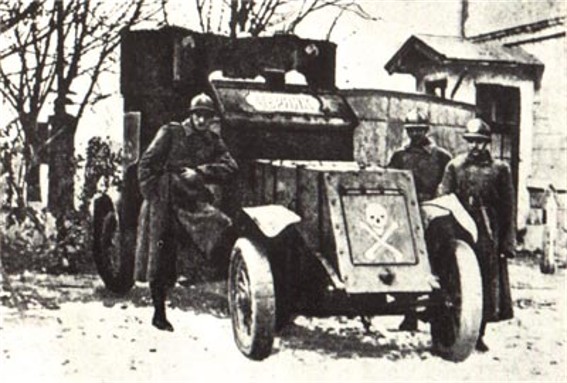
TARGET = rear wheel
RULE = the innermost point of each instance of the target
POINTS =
(251, 299)
(113, 251)
(455, 322)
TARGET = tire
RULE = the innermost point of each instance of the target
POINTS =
(113, 251)
(455, 322)
(251, 299)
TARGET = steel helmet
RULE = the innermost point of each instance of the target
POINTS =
(416, 119)
(477, 129)
(202, 102)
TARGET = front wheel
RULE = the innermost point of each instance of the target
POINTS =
(251, 299)
(455, 322)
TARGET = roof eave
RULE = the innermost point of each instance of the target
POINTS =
(393, 65)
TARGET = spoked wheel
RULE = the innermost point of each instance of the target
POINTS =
(251, 300)
(113, 251)
(455, 322)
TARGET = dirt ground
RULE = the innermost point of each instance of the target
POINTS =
(70, 329)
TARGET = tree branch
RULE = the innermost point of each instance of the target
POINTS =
(199, 4)
(96, 73)
(164, 12)
(80, 29)
(29, 12)
(262, 16)
(10, 90)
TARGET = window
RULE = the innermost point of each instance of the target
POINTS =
(436, 88)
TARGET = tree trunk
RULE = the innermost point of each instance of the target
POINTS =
(31, 177)
(33, 183)
(61, 166)
(36, 142)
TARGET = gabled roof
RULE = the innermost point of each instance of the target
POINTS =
(450, 49)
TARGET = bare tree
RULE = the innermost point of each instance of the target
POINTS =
(253, 18)
(25, 75)
(33, 63)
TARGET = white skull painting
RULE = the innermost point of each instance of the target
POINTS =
(377, 218)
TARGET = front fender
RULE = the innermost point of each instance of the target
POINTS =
(448, 205)
(271, 220)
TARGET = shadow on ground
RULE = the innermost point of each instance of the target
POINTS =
(207, 298)
(31, 290)
(347, 342)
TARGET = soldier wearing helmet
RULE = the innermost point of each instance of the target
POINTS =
(427, 163)
(201, 110)
(484, 187)
(177, 215)
(426, 160)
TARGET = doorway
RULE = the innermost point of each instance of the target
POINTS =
(499, 106)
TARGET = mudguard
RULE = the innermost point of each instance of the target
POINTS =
(446, 205)
(271, 219)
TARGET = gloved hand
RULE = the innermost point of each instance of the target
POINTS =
(190, 176)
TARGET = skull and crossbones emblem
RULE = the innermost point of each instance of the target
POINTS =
(377, 218)
(377, 224)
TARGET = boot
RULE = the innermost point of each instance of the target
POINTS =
(409, 323)
(366, 323)
(481, 346)
(159, 319)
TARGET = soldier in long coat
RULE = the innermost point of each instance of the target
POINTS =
(484, 187)
(173, 174)
(427, 162)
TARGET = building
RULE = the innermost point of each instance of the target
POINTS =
(509, 61)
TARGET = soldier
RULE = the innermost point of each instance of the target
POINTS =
(427, 163)
(426, 160)
(484, 187)
(173, 174)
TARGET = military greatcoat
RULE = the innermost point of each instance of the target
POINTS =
(427, 163)
(484, 187)
(174, 209)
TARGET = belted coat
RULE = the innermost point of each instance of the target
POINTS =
(485, 189)
(174, 209)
